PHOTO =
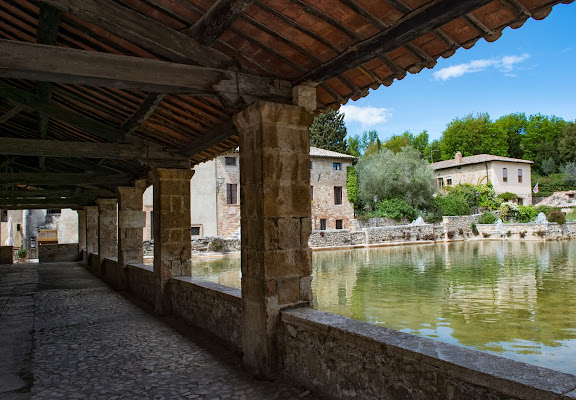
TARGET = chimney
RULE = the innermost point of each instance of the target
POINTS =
(458, 157)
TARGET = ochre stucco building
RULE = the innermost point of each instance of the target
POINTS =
(504, 173)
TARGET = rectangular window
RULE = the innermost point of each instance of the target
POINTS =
(312, 193)
(230, 160)
(520, 176)
(505, 174)
(336, 166)
(337, 195)
(231, 193)
(440, 183)
(520, 201)
(196, 230)
(322, 224)
(338, 224)
(448, 181)
(53, 211)
(4, 216)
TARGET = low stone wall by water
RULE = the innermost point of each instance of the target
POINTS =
(377, 222)
(346, 359)
(528, 231)
(404, 233)
(210, 306)
(459, 227)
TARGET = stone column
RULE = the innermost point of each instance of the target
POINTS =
(91, 231)
(82, 233)
(107, 228)
(131, 221)
(275, 223)
(172, 247)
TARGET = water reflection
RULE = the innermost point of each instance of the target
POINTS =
(511, 298)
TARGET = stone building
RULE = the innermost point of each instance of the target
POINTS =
(504, 173)
(215, 198)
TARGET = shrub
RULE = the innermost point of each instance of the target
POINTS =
(452, 204)
(526, 213)
(545, 209)
(508, 211)
(509, 233)
(460, 231)
(507, 196)
(522, 234)
(487, 218)
(486, 235)
(395, 209)
(557, 216)
(217, 244)
(571, 216)
(22, 253)
(429, 236)
(451, 234)
(352, 185)
(474, 229)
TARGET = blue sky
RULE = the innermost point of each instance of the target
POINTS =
(531, 69)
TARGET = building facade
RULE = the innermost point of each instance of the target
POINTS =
(215, 195)
(505, 174)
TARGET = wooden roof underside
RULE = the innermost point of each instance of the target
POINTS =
(138, 83)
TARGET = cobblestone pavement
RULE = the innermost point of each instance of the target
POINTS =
(66, 335)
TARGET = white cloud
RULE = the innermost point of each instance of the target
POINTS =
(366, 115)
(505, 64)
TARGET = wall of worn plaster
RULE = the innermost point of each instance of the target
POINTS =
(203, 198)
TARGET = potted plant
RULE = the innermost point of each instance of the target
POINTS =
(22, 253)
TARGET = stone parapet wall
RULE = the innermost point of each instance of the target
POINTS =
(58, 252)
(377, 222)
(527, 231)
(211, 306)
(142, 282)
(334, 238)
(405, 233)
(342, 358)
(459, 227)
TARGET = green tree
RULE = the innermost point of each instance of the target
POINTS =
(352, 184)
(541, 139)
(548, 166)
(353, 146)
(473, 135)
(397, 142)
(328, 131)
(514, 126)
(567, 143)
(357, 145)
(570, 173)
(385, 175)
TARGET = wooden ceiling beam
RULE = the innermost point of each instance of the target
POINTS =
(207, 141)
(58, 64)
(63, 179)
(85, 200)
(145, 110)
(44, 206)
(34, 102)
(217, 20)
(113, 151)
(55, 194)
(144, 32)
(431, 16)
(12, 113)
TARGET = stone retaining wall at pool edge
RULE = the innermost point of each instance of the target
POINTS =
(347, 359)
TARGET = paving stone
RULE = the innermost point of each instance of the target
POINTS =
(90, 342)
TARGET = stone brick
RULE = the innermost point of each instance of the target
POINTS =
(107, 228)
(92, 229)
(82, 231)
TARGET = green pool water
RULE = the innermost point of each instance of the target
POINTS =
(514, 299)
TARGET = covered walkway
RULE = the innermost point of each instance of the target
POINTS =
(66, 334)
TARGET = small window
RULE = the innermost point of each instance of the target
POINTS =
(448, 181)
(4, 216)
(323, 224)
(230, 161)
(440, 182)
(520, 201)
(337, 195)
(312, 193)
(520, 176)
(196, 230)
(336, 166)
(338, 224)
(505, 174)
(53, 211)
(231, 193)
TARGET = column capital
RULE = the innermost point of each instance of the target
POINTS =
(304, 96)
(166, 174)
(102, 202)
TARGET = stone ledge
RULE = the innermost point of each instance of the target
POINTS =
(509, 377)
(217, 289)
(146, 267)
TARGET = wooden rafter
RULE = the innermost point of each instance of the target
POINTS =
(144, 31)
(63, 179)
(57, 64)
(10, 114)
(54, 194)
(204, 143)
(217, 20)
(145, 110)
(424, 19)
(34, 102)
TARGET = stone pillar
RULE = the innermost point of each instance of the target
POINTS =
(131, 221)
(82, 233)
(275, 223)
(107, 228)
(91, 231)
(172, 247)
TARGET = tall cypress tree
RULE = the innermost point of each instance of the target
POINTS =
(328, 131)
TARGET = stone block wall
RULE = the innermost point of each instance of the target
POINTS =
(459, 227)
(345, 359)
(521, 231)
(404, 233)
(142, 282)
(377, 222)
(6, 255)
(58, 252)
(210, 306)
(334, 238)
